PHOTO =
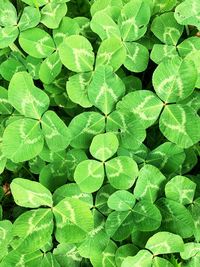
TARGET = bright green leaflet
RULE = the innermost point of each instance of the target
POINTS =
(190, 250)
(145, 105)
(133, 20)
(165, 243)
(89, 175)
(77, 88)
(33, 229)
(27, 142)
(137, 57)
(111, 52)
(76, 53)
(8, 14)
(29, 19)
(8, 35)
(104, 146)
(121, 200)
(161, 52)
(188, 13)
(149, 183)
(9, 67)
(142, 258)
(174, 79)
(5, 236)
(37, 43)
(30, 194)
(105, 89)
(25, 97)
(52, 14)
(181, 125)
(56, 133)
(121, 172)
(166, 28)
(104, 26)
(180, 189)
(194, 210)
(74, 218)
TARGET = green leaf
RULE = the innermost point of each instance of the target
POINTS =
(111, 52)
(135, 16)
(189, 45)
(77, 88)
(195, 58)
(10, 66)
(144, 104)
(8, 35)
(168, 157)
(8, 13)
(175, 218)
(50, 68)
(137, 57)
(84, 127)
(30, 194)
(143, 258)
(162, 52)
(180, 189)
(187, 13)
(121, 172)
(103, 25)
(149, 183)
(105, 89)
(52, 14)
(166, 29)
(56, 133)
(37, 3)
(49, 260)
(32, 230)
(73, 220)
(121, 200)
(37, 43)
(146, 216)
(180, 124)
(30, 18)
(25, 97)
(160, 262)
(165, 243)
(190, 250)
(89, 175)
(27, 142)
(5, 107)
(174, 79)
(76, 53)
(104, 146)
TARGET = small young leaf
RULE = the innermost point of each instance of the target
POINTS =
(121, 200)
(121, 172)
(143, 258)
(104, 146)
(89, 175)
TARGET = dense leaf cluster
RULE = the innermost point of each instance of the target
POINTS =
(99, 132)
